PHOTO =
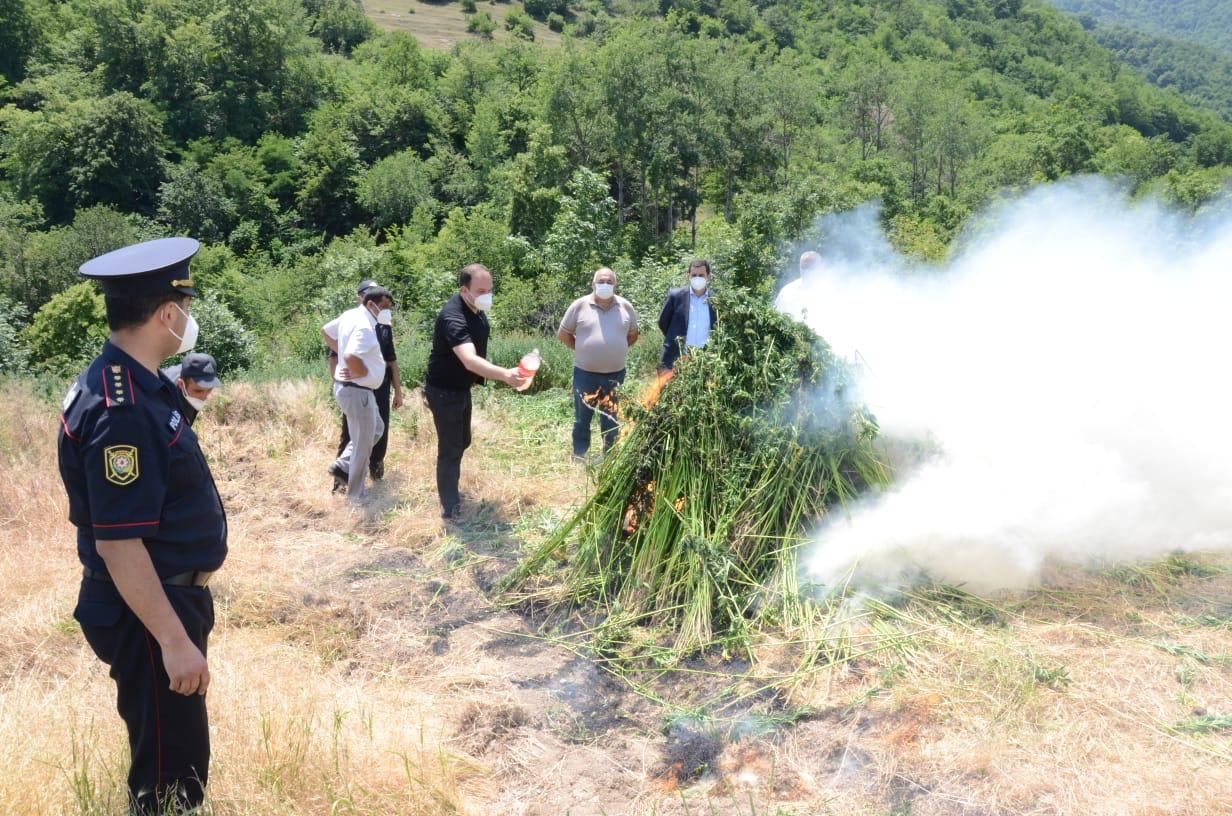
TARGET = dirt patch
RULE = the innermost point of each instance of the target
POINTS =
(480, 725)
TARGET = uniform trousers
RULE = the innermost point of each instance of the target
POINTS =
(168, 733)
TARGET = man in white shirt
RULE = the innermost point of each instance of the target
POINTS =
(793, 298)
(360, 371)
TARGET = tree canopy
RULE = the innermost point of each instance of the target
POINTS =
(286, 133)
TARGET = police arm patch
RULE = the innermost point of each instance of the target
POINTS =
(120, 464)
(70, 397)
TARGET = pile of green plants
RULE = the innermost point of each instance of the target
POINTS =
(698, 511)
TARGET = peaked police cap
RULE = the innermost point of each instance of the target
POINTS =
(148, 268)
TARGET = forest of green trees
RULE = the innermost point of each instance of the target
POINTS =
(1172, 45)
(307, 149)
(1204, 22)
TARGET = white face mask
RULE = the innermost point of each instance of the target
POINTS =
(189, 339)
(195, 402)
(698, 282)
(605, 290)
(385, 317)
(484, 302)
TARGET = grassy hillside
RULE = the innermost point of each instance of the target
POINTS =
(442, 25)
(361, 666)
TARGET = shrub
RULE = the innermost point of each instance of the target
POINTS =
(519, 22)
(223, 336)
(341, 25)
(68, 331)
(556, 22)
(540, 9)
(481, 24)
(536, 305)
(392, 188)
(13, 355)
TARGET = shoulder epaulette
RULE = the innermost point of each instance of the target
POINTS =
(118, 391)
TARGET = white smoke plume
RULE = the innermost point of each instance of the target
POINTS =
(1069, 366)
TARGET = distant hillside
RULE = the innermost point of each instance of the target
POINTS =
(1205, 22)
(1202, 75)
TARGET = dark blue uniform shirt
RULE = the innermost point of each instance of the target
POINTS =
(133, 469)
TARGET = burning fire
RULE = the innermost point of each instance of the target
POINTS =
(639, 507)
(655, 388)
(603, 403)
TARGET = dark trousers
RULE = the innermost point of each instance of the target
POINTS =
(382, 407)
(593, 392)
(451, 414)
(168, 733)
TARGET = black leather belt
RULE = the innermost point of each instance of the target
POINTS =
(349, 384)
(198, 578)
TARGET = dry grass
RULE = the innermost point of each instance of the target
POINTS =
(359, 667)
(442, 25)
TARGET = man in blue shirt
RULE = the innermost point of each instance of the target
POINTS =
(150, 524)
(687, 316)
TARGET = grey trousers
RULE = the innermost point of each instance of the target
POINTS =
(358, 405)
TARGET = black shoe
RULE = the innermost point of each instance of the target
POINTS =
(377, 469)
(453, 513)
(341, 477)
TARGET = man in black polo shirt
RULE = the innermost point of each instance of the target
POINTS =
(457, 362)
(150, 523)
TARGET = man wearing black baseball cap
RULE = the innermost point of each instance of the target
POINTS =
(151, 529)
(196, 376)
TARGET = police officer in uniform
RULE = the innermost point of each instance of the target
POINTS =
(150, 524)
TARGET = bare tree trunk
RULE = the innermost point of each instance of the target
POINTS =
(620, 191)
(642, 202)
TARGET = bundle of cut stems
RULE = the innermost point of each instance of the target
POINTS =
(699, 510)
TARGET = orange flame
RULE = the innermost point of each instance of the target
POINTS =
(639, 507)
(598, 401)
(655, 388)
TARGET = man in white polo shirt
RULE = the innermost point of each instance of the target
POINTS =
(360, 371)
(794, 297)
(600, 328)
